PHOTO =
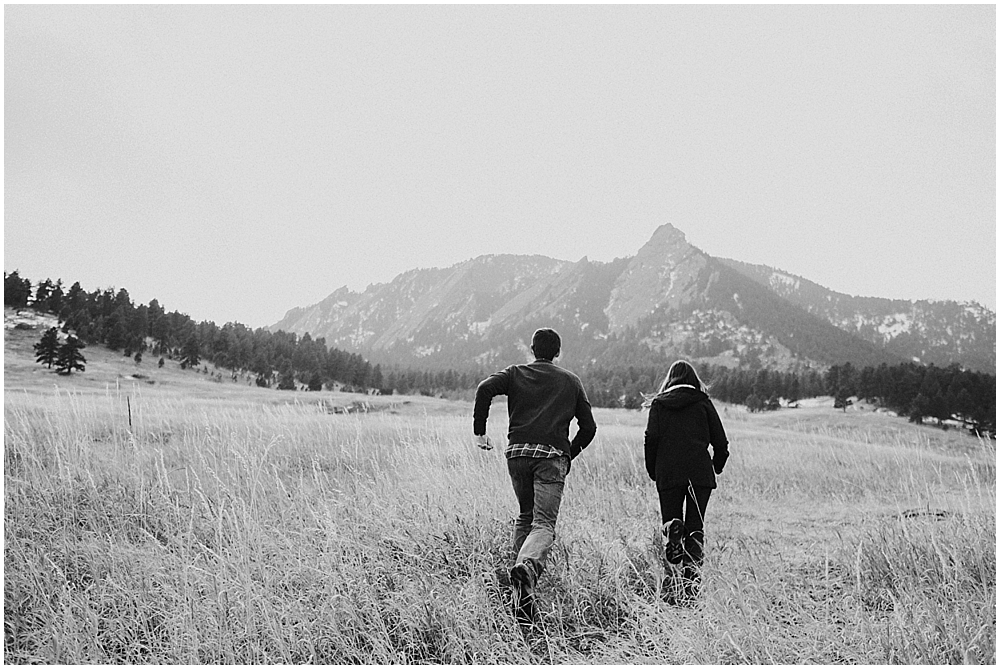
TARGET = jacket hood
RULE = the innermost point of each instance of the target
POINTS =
(678, 397)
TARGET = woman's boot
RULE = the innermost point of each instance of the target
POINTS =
(694, 557)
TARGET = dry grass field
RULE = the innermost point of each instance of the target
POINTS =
(173, 518)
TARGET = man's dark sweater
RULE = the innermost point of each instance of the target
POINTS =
(542, 399)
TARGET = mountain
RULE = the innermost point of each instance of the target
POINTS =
(670, 300)
(927, 331)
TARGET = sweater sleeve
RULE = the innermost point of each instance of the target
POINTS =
(495, 384)
(652, 439)
(585, 424)
(717, 437)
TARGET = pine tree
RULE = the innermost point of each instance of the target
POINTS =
(190, 353)
(794, 391)
(840, 399)
(42, 294)
(48, 348)
(16, 290)
(74, 301)
(919, 408)
(287, 380)
(70, 357)
(55, 301)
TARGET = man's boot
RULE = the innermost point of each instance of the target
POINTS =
(522, 579)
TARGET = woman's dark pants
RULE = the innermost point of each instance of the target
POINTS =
(688, 503)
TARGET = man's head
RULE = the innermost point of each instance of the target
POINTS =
(545, 344)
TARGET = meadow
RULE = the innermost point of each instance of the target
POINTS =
(171, 518)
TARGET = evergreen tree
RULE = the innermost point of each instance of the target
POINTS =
(919, 408)
(48, 348)
(70, 357)
(16, 291)
(794, 392)
(939, 407)
(191, 352)
(964, 406)
(287, 380)
(74, 302)
(54, 304)
(159, 326)
(42, 294)
(840, 400)
(137, 325)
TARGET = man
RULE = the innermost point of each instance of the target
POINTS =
(542, 399)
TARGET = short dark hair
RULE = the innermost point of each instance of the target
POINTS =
(545, 343)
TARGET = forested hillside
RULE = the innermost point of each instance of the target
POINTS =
(110, 318)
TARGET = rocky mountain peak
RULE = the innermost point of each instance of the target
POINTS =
(665, 271)
(666, 235)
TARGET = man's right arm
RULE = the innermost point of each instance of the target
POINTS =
(493, 385)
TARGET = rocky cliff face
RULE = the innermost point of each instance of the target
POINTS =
(669, 300)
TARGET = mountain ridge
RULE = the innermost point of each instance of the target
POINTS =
(669, 300)
(946, 328)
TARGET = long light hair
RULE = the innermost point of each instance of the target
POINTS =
(681, 373)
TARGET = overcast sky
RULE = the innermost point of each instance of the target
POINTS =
(237, 161)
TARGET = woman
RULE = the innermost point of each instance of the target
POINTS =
(682, 423)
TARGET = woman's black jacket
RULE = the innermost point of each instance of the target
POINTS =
(682, 423)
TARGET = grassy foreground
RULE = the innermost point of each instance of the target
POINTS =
(240, 525)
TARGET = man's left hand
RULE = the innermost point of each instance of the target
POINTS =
(483, 442)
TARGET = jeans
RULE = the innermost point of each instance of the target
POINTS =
(687, 503)
(538, 485)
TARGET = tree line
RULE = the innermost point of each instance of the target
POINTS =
(288, 361)
(269, 359)
(920, 392)
(915, 391)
